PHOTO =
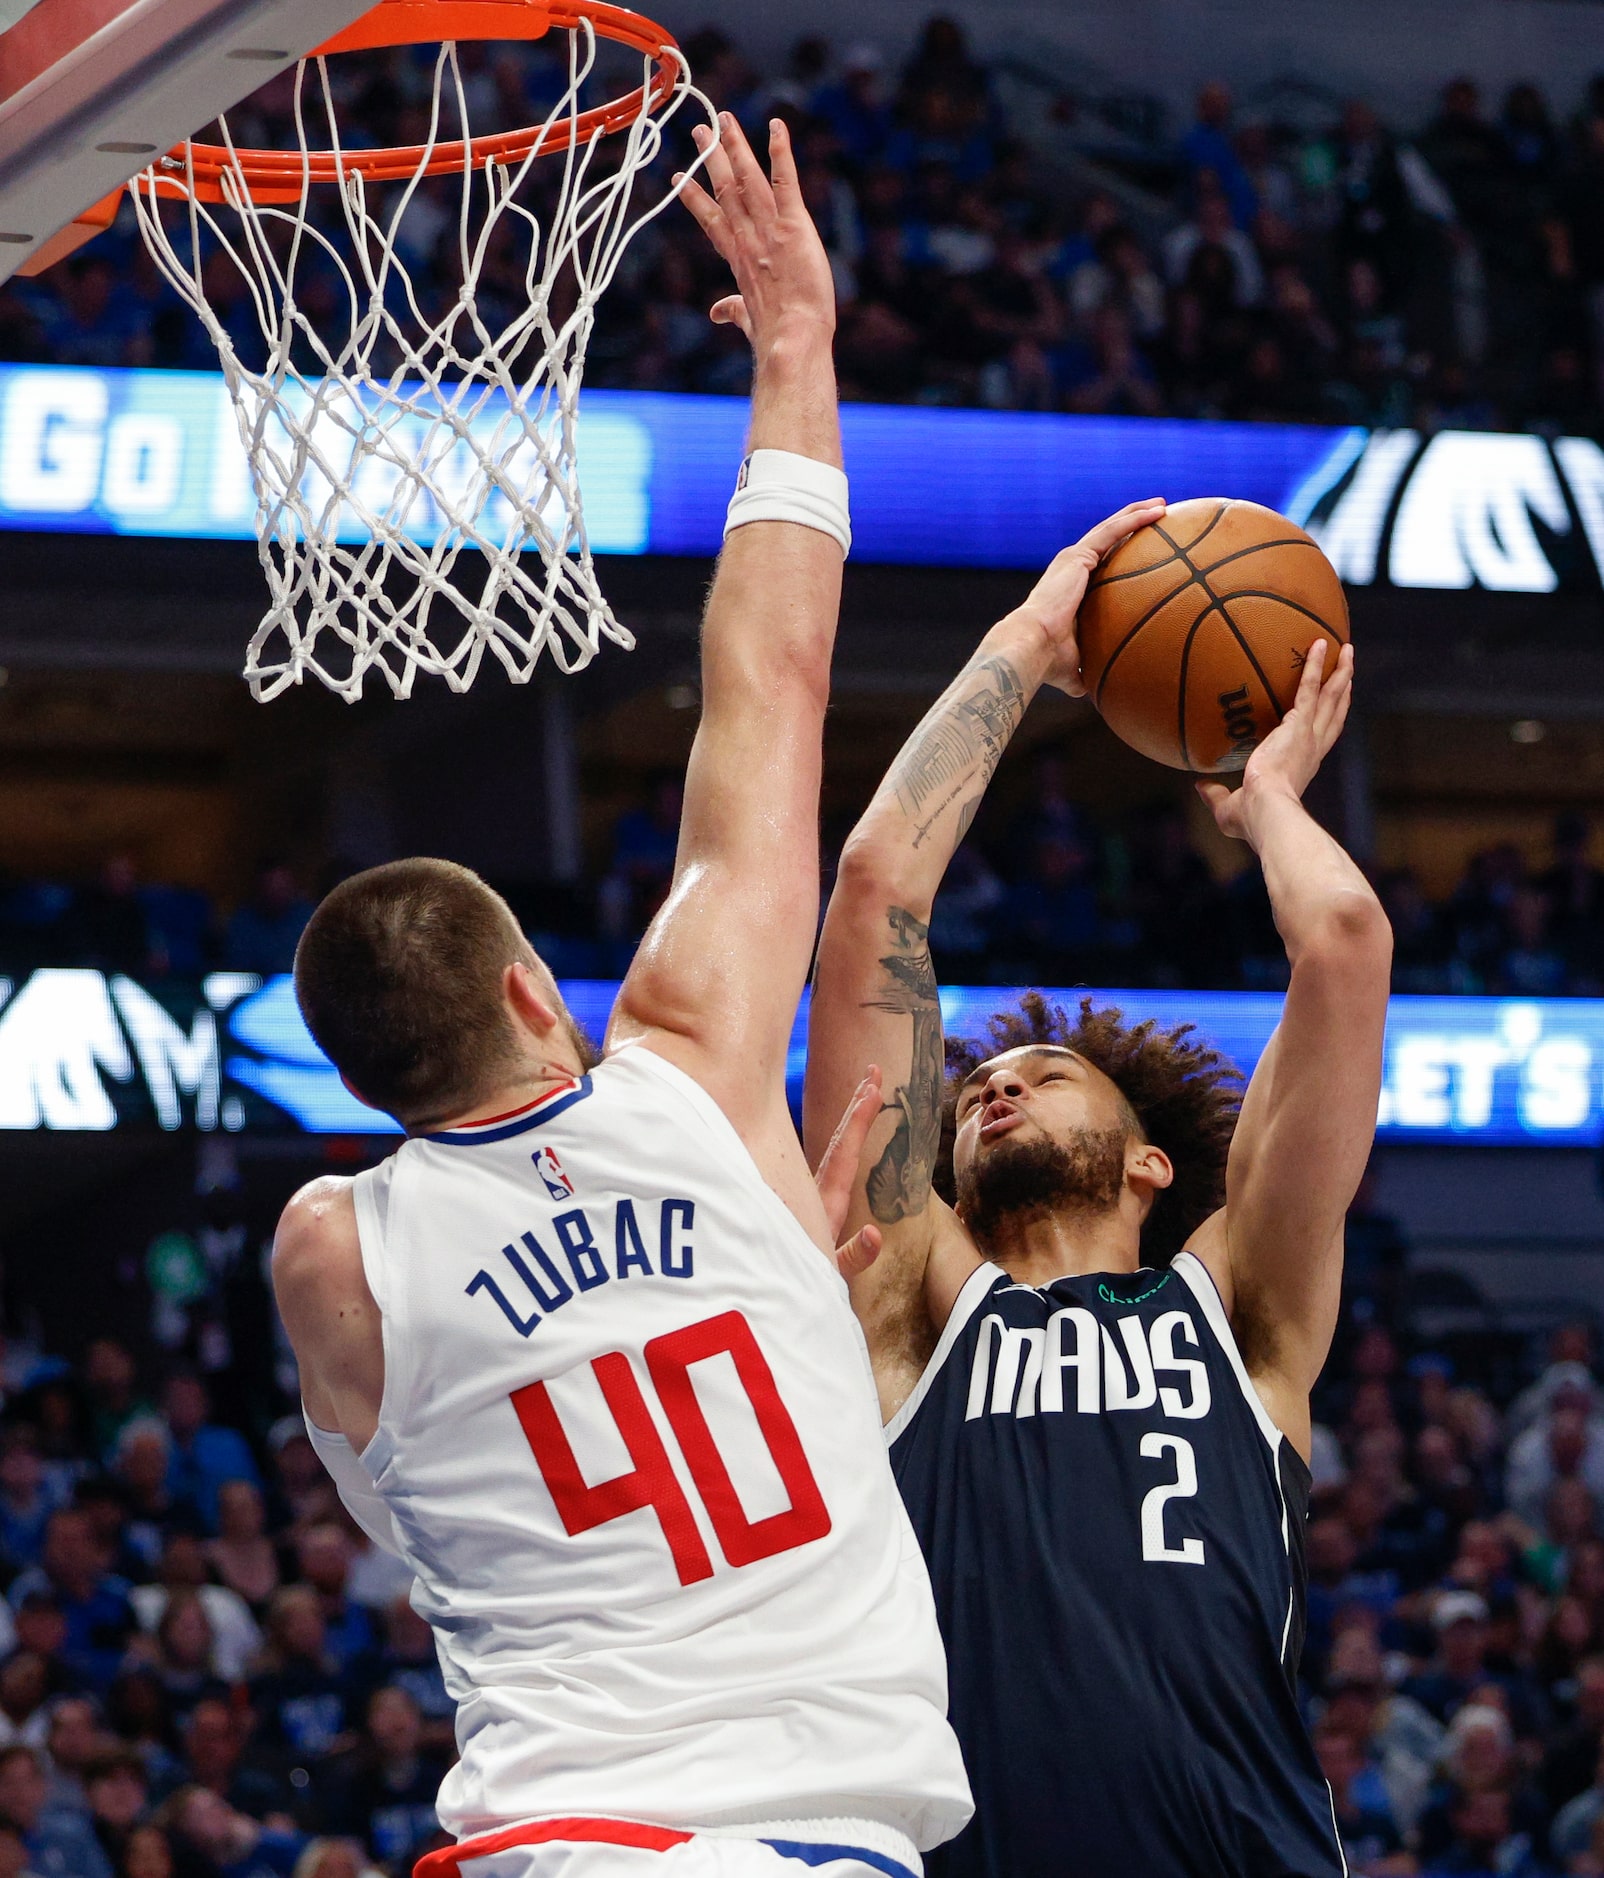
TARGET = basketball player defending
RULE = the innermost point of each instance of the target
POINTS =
(1102, 1438)
(577, 1350)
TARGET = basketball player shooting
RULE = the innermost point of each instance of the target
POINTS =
(578, 1351)
(1096, 1375)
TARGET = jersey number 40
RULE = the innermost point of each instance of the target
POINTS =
(653, 1481)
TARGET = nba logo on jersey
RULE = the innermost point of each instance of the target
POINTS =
(550, 1170)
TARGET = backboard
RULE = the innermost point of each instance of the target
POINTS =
(91, 90)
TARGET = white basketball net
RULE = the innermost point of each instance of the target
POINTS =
(405, 469)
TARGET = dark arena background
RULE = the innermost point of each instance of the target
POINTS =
(1344, 261)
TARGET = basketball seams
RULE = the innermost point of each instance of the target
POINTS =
(1192, 632)
(1218, 601)
(1249, 654)
(1214, 601)
(1295, 606)
(1169, 560)
(1151, 613)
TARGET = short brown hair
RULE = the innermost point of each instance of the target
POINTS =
(399, 978)
(1183, 1095)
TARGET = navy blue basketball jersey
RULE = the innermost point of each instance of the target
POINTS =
(1114, 1529)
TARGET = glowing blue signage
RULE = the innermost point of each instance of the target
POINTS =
(159, 453)
(88, 1051)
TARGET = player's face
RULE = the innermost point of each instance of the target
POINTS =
(1029, 1095)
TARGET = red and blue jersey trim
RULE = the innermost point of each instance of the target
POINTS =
(447, 1861)
(516, 1121)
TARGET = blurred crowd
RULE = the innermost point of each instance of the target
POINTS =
(1045, 895)
(1454, 1667)
(1051, 896)
(1445, 273)
(206, 1670)
(118, 922)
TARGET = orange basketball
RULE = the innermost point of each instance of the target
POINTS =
(1193, 633)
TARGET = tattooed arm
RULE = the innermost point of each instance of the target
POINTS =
(875, 998)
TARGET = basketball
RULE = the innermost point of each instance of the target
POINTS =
(1193, 632)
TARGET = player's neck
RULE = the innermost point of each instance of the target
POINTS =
(536, 1079)
(1037, 1248)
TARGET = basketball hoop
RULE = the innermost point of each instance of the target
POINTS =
(425, 429)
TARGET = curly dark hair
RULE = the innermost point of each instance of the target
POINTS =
(1184, 1095)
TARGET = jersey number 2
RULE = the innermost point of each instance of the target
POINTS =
(653, 1482)
(1155, 1547)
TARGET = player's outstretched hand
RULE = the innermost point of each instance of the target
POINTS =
(837, 1174)
(761, 226)
(1056, 597)
(1292, 753)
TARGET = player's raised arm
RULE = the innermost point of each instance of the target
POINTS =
(716, 982)
(874, 994)
(1309, 1116)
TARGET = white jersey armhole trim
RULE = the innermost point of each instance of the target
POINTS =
(976, 1289)
(352, 1480)
(371, 1193)
(1199, 1280)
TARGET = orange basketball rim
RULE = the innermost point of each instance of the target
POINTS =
(269, 176)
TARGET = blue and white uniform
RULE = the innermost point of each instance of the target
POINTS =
(1114, 1528)
(629, 1445)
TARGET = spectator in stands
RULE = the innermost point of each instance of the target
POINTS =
(26, 1501)
(384, 1790)
(60, 1843)
(855, 107)
(118, 1794)
(215, 1758)
(324, 1556)
(231, 1843)
(1567, 1443)
(1116, 381)
(301, 1699)
(204, 1455)
(98, 1617)
(1569, 1371)
(1210, 248)
(1211, 157)
(302, 1492)
(242, 1555)
(147, 1853)
(1530, 966)
(1119, 274)
(408, 1660)
(264, 931)
(1459, 1667)
(111, 1386)
(233, 1636)
(86, 320)
(1371, 1841)
(140, 1463)
(1483, 1841)
(1574, 890)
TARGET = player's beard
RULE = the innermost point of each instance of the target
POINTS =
(1039, 1178)
(589, 1056)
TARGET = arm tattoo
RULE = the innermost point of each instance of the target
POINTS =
(899, 1182)
(959, 742)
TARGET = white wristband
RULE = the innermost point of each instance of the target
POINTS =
(780, 486)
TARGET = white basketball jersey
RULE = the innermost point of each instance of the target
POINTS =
(630, 1445)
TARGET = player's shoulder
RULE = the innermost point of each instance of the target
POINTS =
(316, 1227)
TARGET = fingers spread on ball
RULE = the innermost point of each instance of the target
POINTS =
(1107, 535)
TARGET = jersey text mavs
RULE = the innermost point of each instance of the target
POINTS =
(1114, 1528)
